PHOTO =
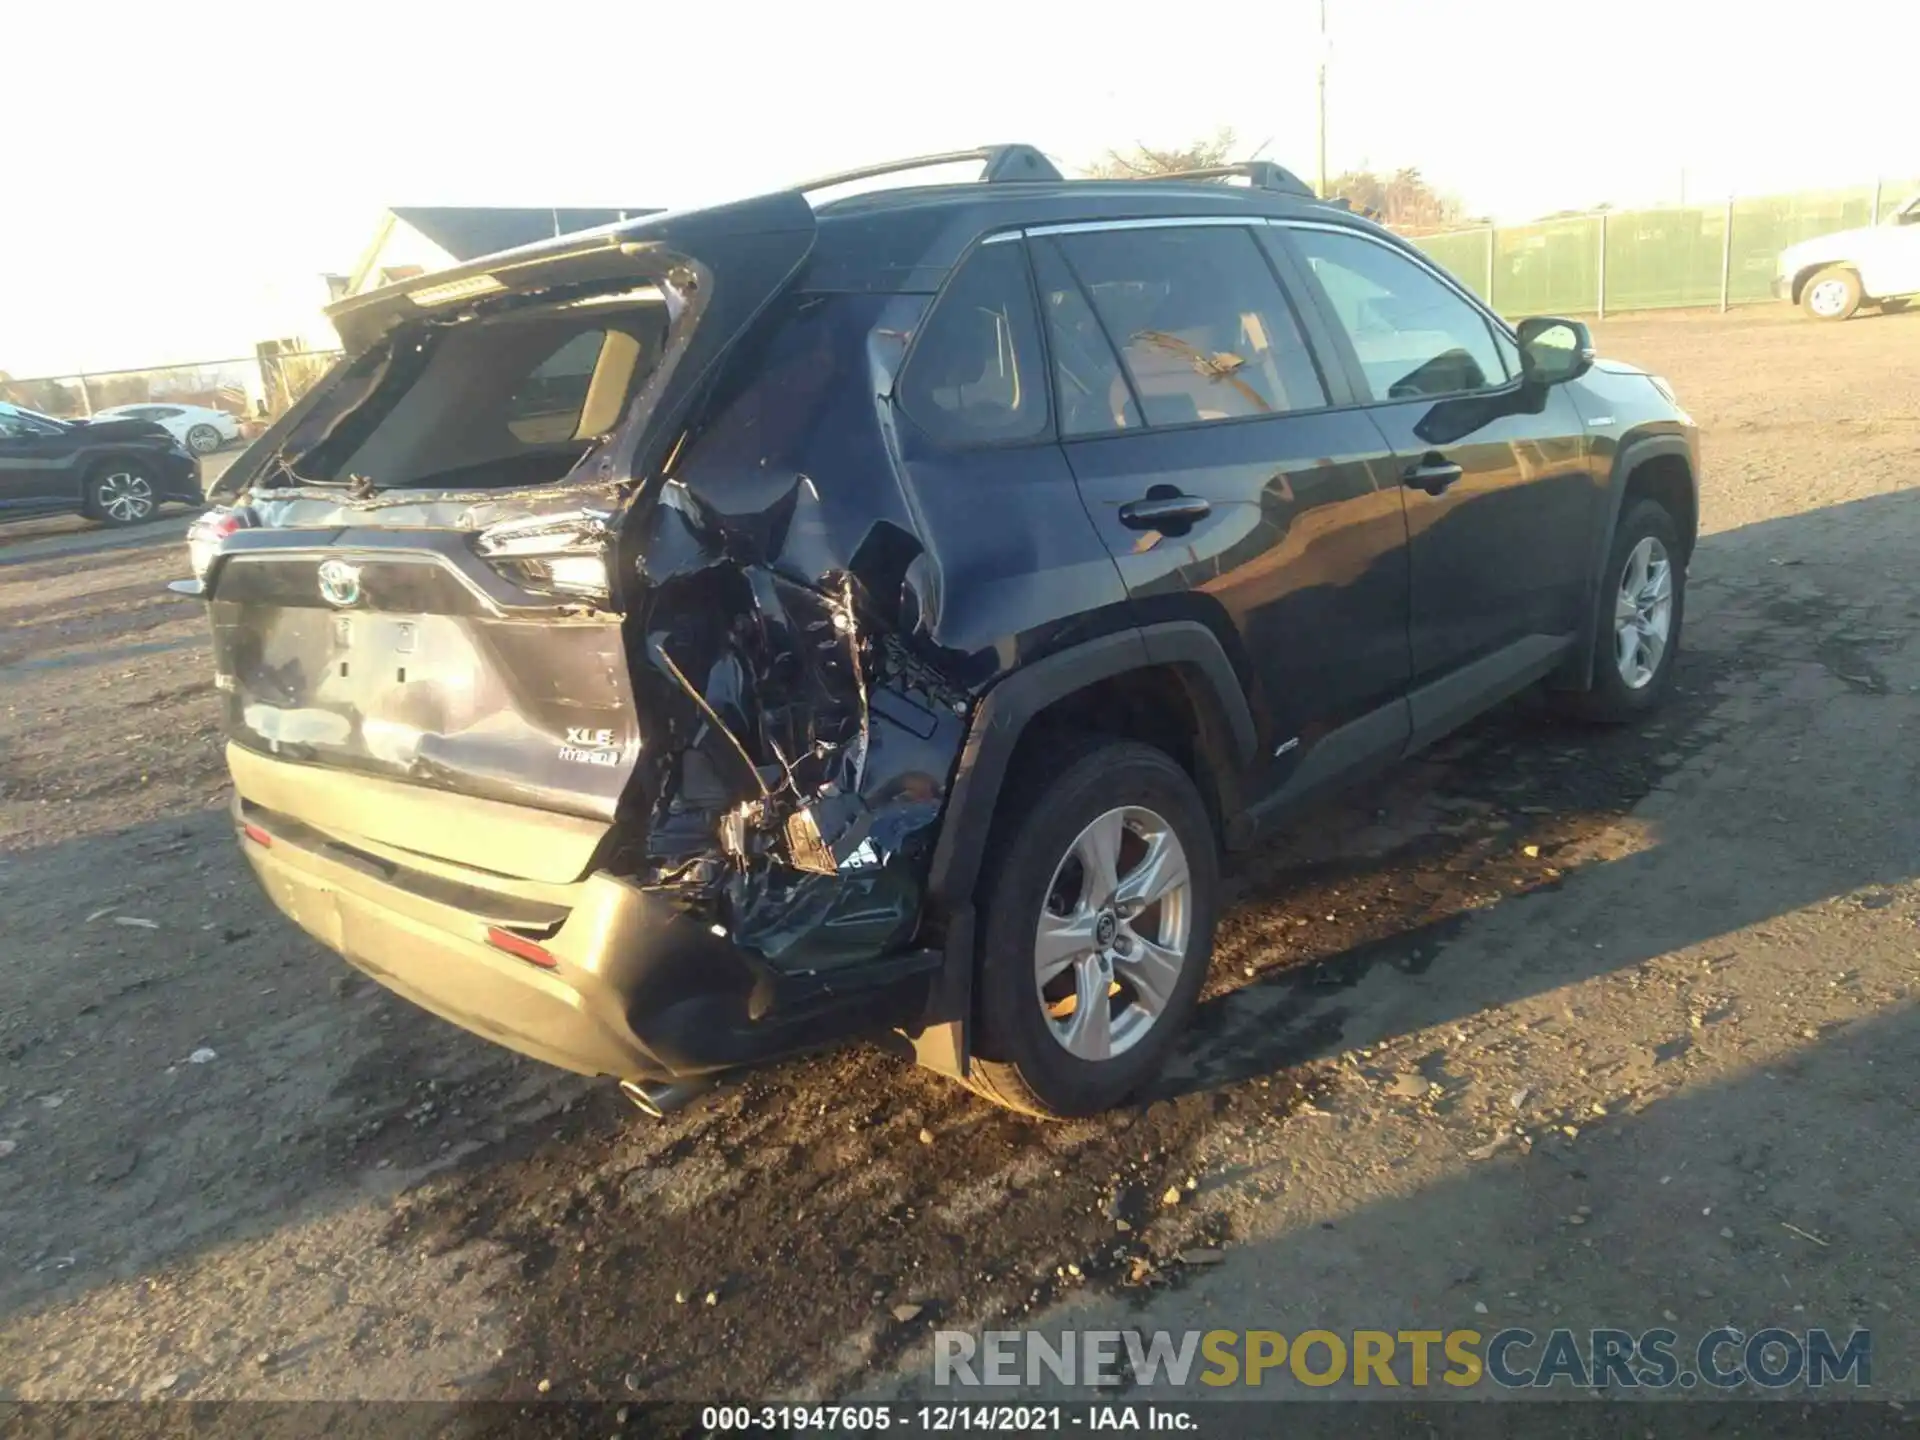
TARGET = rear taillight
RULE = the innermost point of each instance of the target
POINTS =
(204, 537)
(564, 554)
(257, 836)
(521, 948)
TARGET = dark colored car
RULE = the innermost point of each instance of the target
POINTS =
(118, 472)
(686, 643)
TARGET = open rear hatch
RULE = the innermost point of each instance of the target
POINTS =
(419, 584)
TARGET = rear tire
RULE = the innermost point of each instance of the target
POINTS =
(1637, 621)
(1832, 294)
(1038, 1047)
(119, 492)
(203, 439)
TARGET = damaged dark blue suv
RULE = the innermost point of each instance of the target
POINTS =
(685, 643)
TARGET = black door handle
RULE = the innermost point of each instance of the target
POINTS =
(1433, 474)
(1159, 512)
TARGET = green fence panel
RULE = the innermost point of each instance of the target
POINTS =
(1655, 259)
(1766, 225)
(1550, 268)
(1658, 259)
(1462, 254)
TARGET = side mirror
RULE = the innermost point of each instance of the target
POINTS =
(1553, 350)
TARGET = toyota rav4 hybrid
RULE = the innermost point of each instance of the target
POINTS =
(686, 643)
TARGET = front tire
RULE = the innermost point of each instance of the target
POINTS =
(1637, 627)
(119, 493)
(203, 439)
(1832, 294)
(1100, 904)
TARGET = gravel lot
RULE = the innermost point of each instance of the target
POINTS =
(1549, 1027)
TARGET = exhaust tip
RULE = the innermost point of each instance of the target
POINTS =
(660, 1099)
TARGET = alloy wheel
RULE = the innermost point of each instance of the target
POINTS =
(1113, 935)
(203, 439)
(1643, 613)
(125, 496)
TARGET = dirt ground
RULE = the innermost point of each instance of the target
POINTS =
(1549, 1027)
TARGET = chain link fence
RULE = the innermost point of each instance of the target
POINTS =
(1666, 258)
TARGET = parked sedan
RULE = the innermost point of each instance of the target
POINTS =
(198, 427)
(113, 470)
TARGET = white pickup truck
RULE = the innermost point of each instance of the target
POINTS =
(1832, 276)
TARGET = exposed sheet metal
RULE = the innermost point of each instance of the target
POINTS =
(802, 754)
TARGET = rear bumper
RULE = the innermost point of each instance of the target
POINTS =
(637, 990)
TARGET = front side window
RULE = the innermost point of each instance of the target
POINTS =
(1414, 336)
(975, 376)
(1199, 322)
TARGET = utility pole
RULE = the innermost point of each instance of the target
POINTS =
(1321, 187)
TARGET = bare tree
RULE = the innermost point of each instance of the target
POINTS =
(1145, 160)
(1404, 199)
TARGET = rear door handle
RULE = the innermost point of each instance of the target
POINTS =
(1433, 474)
(1157, 512)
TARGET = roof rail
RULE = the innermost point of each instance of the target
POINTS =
(1263, 174)
(1003, 162)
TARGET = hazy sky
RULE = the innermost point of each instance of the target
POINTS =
(178, 176)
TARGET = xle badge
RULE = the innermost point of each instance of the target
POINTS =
(589, 747)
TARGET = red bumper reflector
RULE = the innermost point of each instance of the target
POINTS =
(520, 947)
(258, 836)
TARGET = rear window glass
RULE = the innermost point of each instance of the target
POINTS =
(511, 400)
(976, 376)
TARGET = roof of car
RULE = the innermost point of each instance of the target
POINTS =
(900, 240)
(908, 239)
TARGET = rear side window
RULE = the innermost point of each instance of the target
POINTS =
(1092, 394)
(1414, 336)
(975, 376)
(1200, 323)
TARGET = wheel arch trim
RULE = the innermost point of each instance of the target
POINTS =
(1002, 716)
(1631, 455)
(942, 1042)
